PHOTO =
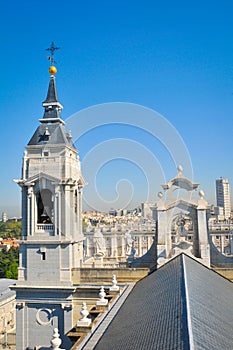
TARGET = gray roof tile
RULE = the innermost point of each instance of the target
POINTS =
(181, 304)
(58, 135)
(211, 307)
(52, 91)
(153, 316)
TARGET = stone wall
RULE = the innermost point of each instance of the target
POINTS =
(227, 273)
(104, 276)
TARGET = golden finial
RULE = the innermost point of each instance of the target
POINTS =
(52, 70)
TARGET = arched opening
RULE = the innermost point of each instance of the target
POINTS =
(44, 207)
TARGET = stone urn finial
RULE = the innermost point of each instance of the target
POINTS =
(102, 294)
(84, 320)
(84, 312)
(56, 341)
(114, 287)
(160, 195)
(114, 281)
(201, 194)
(180, 169)
(102, 301)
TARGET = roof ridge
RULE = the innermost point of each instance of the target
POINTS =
(187, 303)
(203, 265)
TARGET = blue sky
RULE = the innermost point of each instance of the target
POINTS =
(173, 57)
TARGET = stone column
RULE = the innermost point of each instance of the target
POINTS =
(123, 246)
(113, 246)
(33, 212)
(59, 212)
(24, 168)
(87, 246)
(21, 268)
(80, 210)
(77, 218)
(231, 243)
(161, 231)
(56, 210)
(24, 211)
(29, 211)
(139, 245)
(204, 247)
(21, 321)
(66, 214)
(222, 243)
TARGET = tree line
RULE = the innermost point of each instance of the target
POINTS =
(9, 258)
(11, 229)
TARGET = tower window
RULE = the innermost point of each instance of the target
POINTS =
(46, 154)
(43, 256)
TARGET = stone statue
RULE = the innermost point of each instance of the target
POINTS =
(99, 243)
(129, 243)
(181, 228)
(89, 227)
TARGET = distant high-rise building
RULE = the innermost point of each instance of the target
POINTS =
(4, 217)
(223, 196)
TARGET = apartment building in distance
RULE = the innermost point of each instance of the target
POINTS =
(223, 196)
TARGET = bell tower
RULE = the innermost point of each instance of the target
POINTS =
(51, 200)
(52, 239)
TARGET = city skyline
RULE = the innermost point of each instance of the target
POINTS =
(170, 59)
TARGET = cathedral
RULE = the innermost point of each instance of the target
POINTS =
(56, 286)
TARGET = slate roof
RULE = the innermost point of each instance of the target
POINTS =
(52, 91)
(183, 305)
(5, 291)
(51, 131)
(51, 104)
(211, 307)
(57, 135)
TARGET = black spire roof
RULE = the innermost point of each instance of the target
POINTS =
(52, 91)
(51, 131)
(51, 104)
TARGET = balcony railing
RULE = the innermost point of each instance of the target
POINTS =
(45, 227)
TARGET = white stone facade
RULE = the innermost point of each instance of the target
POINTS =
(116, 245)
(7, 315)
